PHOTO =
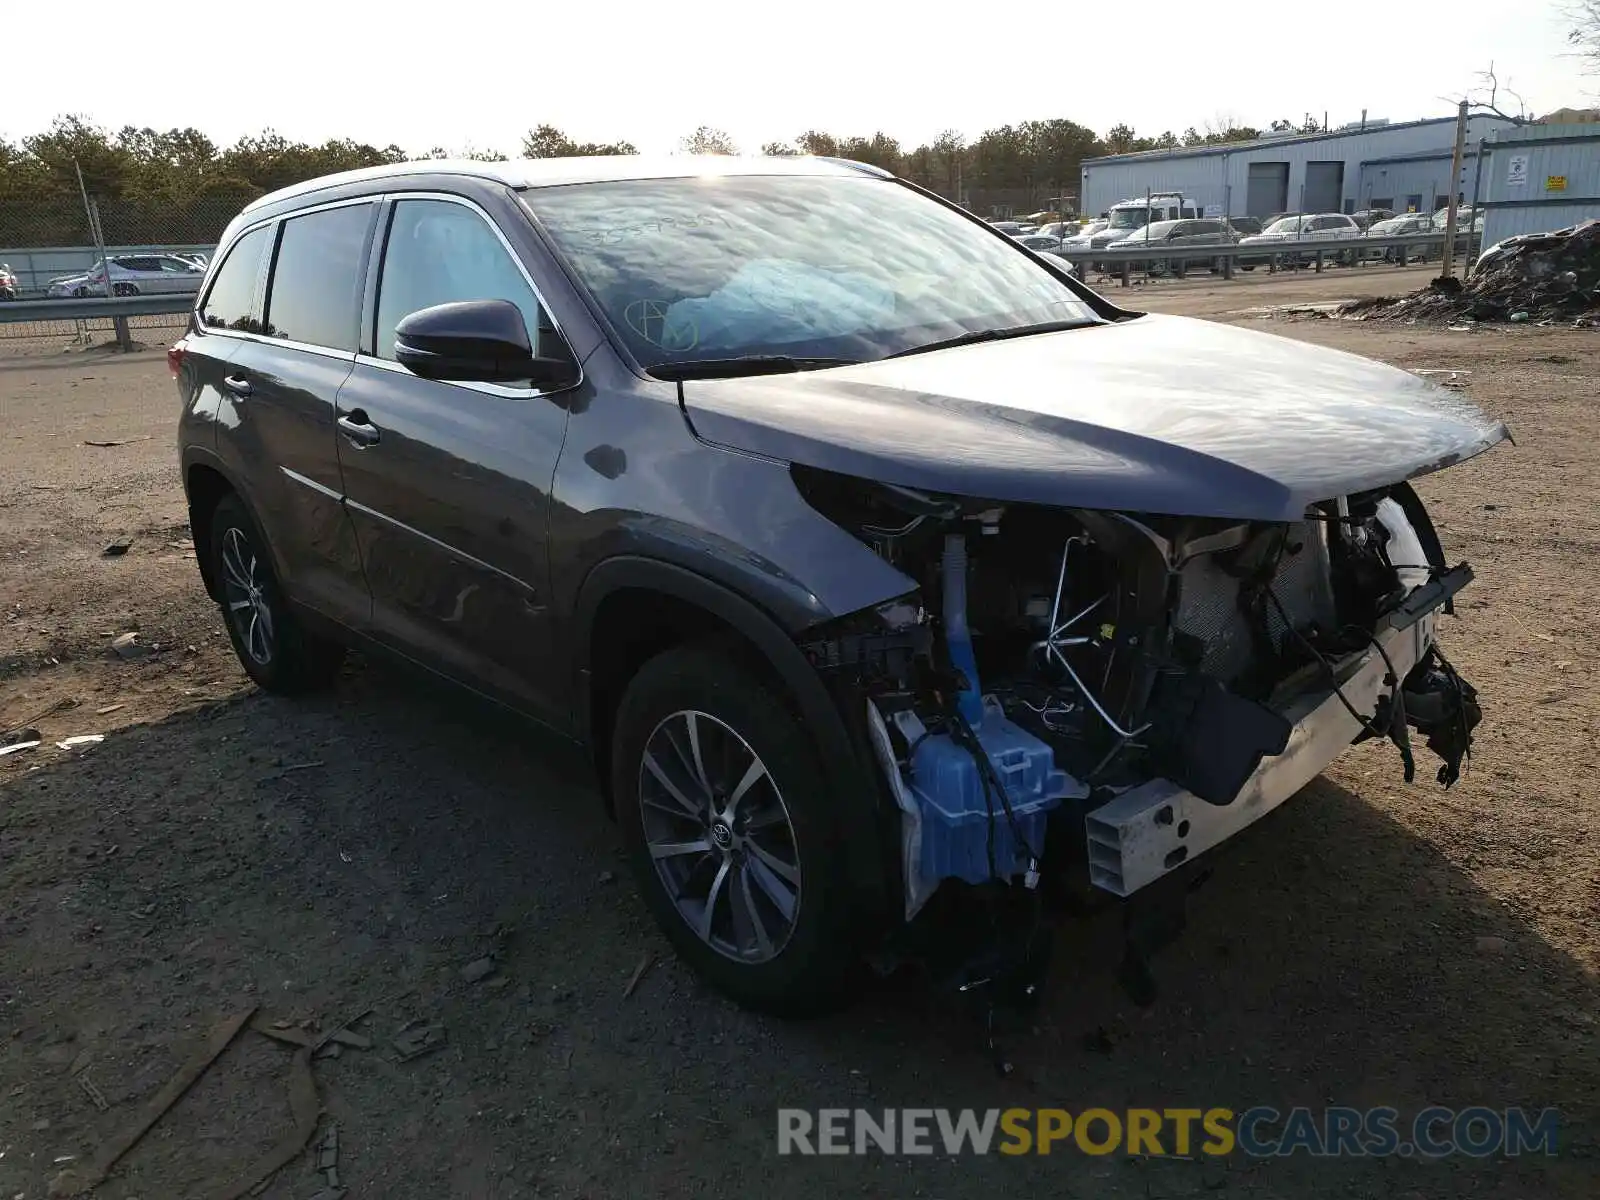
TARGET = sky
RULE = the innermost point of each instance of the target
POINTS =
(478, 73)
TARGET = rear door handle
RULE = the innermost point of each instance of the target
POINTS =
(358, 429)
(238, 385)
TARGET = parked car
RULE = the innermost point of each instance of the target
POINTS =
(1012, 227)
(1403, 225)
(133, 275)
(1081, 239)
(1245, 226)
(1367, 217)
(1200, 231)
(862, 548)
(9, 288)
(1296, 229)
(1469, 226)
(1044, 243)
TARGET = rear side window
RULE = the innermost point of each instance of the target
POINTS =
(229, 303)
(315, 294)
(439, 252)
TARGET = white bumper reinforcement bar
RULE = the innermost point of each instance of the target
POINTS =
(1157, 826)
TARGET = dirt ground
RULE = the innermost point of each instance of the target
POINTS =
(1371, 943)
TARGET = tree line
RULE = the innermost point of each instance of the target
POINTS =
(180, 187)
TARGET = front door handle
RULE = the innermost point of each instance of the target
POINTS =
(358, 429)
(238, 385)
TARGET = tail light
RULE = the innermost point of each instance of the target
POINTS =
(175, 353)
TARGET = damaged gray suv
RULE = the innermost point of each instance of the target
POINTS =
(901, 586)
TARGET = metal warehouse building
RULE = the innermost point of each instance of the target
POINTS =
(1540, 177)
(1372, 164)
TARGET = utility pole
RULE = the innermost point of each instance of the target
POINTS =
(1455, 191)
(88, 212)
(92, 211)
(1472, 227)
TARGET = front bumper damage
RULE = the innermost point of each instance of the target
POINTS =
(1092, 723)
(1156, 827)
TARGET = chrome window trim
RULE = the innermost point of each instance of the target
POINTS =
(381, 245)
(266, 283)
(491, 389)
(209, 284)
(285, 343)
(272, 269)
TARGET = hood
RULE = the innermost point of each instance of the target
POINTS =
(1155, 414)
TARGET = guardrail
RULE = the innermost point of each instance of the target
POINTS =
(36, 266)
(117, 308)
(86, 307)
(1121, 256)
(1229, 255)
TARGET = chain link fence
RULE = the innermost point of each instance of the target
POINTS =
(46, 236)
(48, 337)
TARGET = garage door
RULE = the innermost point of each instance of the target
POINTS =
(1324, 187)
(1267, 189)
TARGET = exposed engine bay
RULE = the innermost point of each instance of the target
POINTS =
(1098, 696)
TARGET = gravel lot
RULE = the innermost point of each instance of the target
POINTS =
(1370, 943)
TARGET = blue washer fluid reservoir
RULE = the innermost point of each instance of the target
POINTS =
(949, 790)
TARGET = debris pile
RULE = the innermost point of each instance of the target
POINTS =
(1538, 277)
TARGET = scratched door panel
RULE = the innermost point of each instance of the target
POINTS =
(449, 506)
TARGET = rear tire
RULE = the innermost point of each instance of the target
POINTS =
(732, 833)
(274, 647)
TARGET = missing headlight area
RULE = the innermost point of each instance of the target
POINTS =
(1075, 696)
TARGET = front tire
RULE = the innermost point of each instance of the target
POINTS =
(732, 832)
(274, 647)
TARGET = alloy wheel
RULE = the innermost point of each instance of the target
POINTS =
(719, 834)
(244, 584)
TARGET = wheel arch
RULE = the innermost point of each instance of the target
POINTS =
(631, 608)
(206, 480)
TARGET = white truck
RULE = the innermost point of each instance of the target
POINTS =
(1126, 217)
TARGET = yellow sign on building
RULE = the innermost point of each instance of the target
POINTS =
(1555, 183)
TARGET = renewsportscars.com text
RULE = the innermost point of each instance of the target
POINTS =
(1258, 1132)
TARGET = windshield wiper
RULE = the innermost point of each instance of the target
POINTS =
(744, 364)
(992, 335)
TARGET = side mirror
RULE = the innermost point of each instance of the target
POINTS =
(476, 341)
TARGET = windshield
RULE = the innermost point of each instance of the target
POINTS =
(803, 267)
(1284, 225)
(1128, 218)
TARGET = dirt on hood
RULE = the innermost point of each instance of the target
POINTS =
(1539, 277)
